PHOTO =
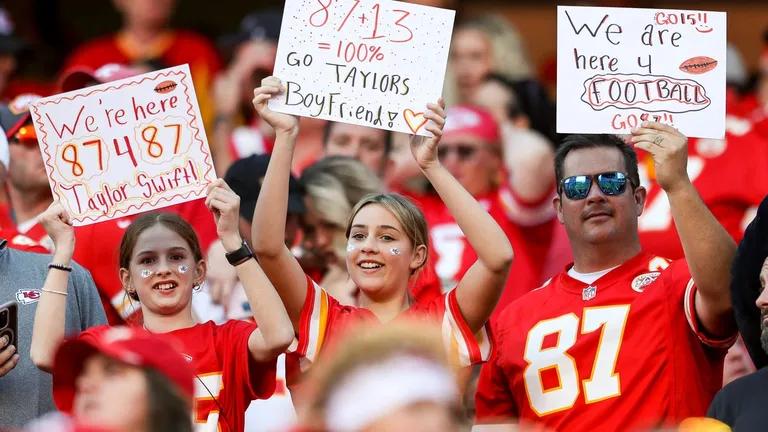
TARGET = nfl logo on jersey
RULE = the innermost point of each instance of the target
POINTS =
(589, 293)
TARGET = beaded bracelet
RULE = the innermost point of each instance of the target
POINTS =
(61, 267)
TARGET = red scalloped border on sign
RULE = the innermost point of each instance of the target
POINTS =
(192, 124)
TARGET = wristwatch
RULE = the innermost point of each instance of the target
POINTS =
(239, 256)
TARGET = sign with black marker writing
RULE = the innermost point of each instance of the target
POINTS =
(124, 147)
(617, 67)
(369, 63)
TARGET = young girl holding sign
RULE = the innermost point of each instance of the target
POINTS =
(160, 264)
(387, 245)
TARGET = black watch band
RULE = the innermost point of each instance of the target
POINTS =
(239, 256)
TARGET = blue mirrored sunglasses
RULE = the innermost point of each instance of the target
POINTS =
(610, 183)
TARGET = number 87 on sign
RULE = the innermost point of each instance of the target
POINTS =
(152, 143)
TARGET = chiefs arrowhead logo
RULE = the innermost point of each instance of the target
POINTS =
(641, 281)
(26, 297)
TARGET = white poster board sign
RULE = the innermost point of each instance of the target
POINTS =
(124, 147)
(369, 63)
(617, 67)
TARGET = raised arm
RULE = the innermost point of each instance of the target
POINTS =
(268, 229)
(708, 248)
(48, 328)
(479, 290)
(275, 332)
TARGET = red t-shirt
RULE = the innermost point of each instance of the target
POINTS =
(731, 176)
(453, 255)
(227, 378)
(624, 353)
(324, 320)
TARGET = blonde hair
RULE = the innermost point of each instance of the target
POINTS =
(371, 344)
(335, 184)
(407, 214)
(509, 56)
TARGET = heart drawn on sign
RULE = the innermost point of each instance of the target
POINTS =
(415, 120)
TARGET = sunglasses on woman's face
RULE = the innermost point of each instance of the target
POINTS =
(610, 183)
(463, 151)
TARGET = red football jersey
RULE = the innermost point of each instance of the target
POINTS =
(623, 353)
(731, 176)
(227, 378)
(454, 255)
(324, 319)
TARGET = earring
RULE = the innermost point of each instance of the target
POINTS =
(196, 287)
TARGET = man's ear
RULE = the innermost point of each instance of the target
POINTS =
(640, 194)
(558, 205)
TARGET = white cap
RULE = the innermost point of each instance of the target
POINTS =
(4, 156)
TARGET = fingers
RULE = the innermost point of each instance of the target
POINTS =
(437, 131)
(221, 197)
(436, 119)
(9, 365)
(438, 109)
(269, 86)
(647, 146)
(656, 127)
(436, 114)
(8, 357)
(651, 138)
(272, 81)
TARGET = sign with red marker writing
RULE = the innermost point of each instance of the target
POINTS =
(369, 63)
(618, 67)
(124, 147)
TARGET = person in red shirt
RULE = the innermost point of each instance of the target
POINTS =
(623, 339)
(105, 370)
(471, 150)
(160, 264)
(386, 246)
(146, 39)
(741, 158)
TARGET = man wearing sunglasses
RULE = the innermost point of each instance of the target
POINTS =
(623, 339)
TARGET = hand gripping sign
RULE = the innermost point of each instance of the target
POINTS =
(124, 147)
(618, 67)
(364, 62)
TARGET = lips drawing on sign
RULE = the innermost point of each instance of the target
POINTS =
(415, 120)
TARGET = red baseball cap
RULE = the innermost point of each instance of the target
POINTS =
(131, 345)
(81, 76)
(473, 121)
(15, 114)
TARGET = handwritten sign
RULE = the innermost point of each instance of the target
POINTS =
(617, 67)
(124, 147)
(370, 63)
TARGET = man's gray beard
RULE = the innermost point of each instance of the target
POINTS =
(763, 336)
